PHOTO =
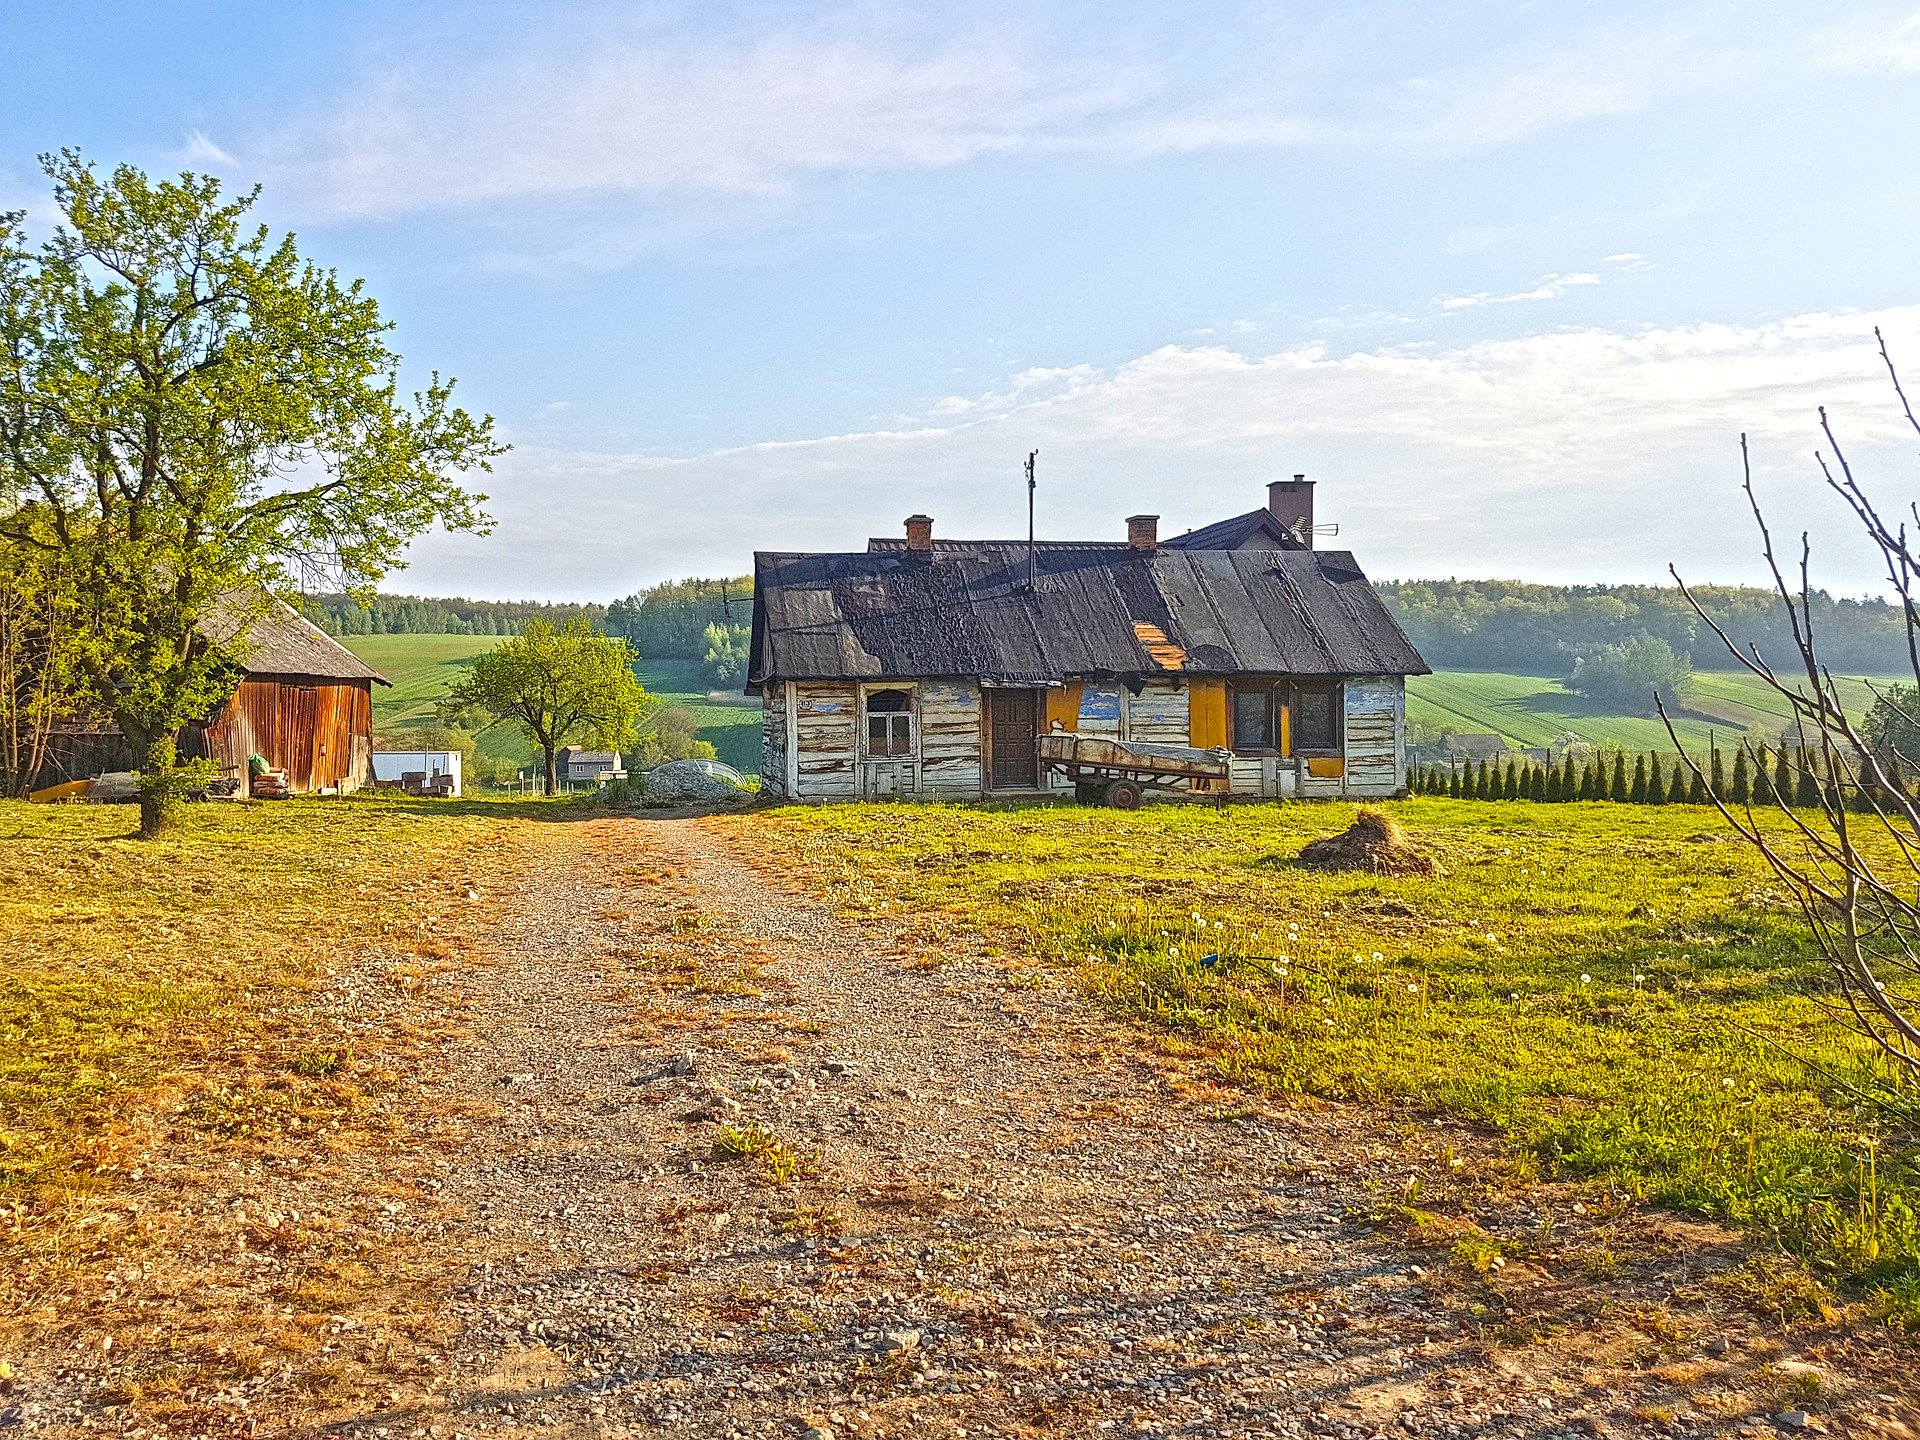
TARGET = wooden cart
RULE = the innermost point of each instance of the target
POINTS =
(1107, 772)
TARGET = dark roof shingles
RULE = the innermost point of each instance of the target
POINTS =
(967, 611)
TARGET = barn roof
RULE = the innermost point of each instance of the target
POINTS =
(279, 641)
(1094, 610)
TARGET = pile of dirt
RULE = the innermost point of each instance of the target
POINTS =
(1374, 843)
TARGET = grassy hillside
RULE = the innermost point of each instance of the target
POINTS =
(1532, 710)
(425, 667)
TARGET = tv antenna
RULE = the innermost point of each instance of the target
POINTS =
(1032, 455)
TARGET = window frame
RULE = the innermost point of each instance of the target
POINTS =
(1267, 691)
(1335, 691)
(902, 724)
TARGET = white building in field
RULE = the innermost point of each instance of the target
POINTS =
(433, 766)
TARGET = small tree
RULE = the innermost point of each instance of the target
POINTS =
(1742, 791)
(1638, 793)
(1617, 789)
(1677, 790)
(190, 418)
(559, 686)
(1627, 676)
(1656, 783)
(726, 656)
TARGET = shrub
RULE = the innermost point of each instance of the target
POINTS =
(1627, 676)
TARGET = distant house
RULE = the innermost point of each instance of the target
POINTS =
(1476, 748)
(304, 704)
(577, 766)
(930, 667)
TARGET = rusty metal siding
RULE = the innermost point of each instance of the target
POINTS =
(317, 729)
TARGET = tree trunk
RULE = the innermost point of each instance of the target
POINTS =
(553, 771)
(160, 801)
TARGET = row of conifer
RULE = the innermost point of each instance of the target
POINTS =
(1651, 779)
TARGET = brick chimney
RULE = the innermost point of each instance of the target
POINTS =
(1291, 503)
(920, 534)
(1143, 531)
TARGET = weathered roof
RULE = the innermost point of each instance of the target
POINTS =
(279, 641)
(1101, 610)
(1257, 529)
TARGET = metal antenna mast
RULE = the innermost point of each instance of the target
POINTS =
(1032, 455)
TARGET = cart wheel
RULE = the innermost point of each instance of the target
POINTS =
(1124, 795)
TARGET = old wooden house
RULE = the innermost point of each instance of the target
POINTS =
(929, 667)
(304, 704)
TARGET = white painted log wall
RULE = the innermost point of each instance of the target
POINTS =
(1376, 759)
(950, 739)
(827, 713)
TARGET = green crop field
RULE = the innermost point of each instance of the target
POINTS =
(1534, 710)
(423, 668)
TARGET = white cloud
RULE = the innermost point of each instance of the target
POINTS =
(1548, 287)
(648, 119)
(1577, 455)
(596, 110)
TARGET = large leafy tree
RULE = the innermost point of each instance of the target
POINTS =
(559, 686)
(192, 417)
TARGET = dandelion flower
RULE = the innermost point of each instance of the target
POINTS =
(1173, 952)
(1586, 979)
(1281, 971)
(1196, 918)
(1728, 1083)
(1378, 957)
(1492, 939)
(1638, 978)
(1413, 989)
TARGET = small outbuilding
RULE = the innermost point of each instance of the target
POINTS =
(304, 704)
(930, 667)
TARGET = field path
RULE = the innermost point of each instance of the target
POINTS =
(1020, 1222)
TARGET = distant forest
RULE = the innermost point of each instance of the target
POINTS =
(1543, 629)
(668, 621)
(1457, 624)
(429, 615)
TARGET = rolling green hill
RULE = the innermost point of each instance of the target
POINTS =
(1533, 710)
(422, 668)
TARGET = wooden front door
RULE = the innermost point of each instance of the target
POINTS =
(1013, 725)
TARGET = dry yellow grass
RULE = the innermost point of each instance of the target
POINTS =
(161, 1035)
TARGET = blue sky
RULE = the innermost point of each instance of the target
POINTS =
(1508, 280)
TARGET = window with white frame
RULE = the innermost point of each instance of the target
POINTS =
(890, 723)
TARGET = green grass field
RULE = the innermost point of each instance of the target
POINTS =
(1533, 710)
(1619, 990)
(425, 667)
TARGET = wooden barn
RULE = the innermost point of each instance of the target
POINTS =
(923, 667)
(304, 704)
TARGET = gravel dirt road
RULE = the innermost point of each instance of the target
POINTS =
(970, 1205)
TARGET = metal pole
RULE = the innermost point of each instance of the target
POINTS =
(1032, 455)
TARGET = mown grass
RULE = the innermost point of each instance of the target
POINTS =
(1618, 990)
(130, 968)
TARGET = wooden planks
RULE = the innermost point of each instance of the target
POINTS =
(1375, 707)
(1157, 715)
(825, 739)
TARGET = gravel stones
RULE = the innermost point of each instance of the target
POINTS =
(703, 781)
